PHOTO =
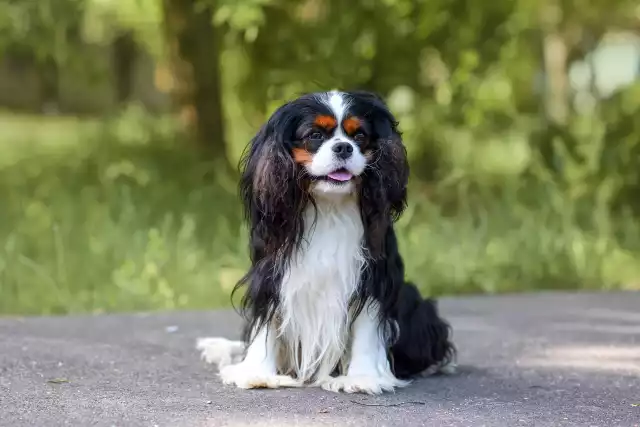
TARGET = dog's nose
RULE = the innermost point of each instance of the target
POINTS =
(343, 150)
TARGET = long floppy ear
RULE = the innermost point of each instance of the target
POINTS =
(384, 188)
(272, 194)
(273, 199)
(391, 157)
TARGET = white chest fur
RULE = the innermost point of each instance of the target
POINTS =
(316, 290)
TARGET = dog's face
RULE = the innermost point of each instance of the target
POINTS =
(325, 143)
(333, 143)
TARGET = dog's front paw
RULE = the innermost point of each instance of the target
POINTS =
(244, 375)
(369, 384)
(220, 351)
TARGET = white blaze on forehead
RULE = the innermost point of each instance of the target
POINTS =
(337, 102)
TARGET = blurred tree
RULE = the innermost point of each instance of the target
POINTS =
(555, 60)
(570, 29)
(125, 54)
(131, 30)
(194, 48)
(47, 32)
(456, 70)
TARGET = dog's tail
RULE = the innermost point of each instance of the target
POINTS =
(424, 345)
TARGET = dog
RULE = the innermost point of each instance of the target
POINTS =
(326, 302)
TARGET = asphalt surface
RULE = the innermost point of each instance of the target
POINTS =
(535, 360)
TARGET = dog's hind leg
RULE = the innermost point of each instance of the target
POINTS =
(424, 346)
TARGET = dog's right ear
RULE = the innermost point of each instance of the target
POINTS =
(266, 167)
(274, 200)
(271, 192)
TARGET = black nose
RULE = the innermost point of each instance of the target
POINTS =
(344, 150)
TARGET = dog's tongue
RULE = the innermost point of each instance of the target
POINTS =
(340, 175)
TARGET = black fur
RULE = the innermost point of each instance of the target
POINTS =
(274, 192)
(424, 336)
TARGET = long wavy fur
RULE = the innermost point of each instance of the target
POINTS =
(274, 193)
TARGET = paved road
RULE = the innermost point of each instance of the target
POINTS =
(539, 360)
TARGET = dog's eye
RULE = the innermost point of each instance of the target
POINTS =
(359, 137)
(316, 136)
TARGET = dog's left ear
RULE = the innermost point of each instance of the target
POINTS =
(390, 154)
(384, 188)
(393, 163)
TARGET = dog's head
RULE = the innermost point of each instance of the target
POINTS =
(327, 145)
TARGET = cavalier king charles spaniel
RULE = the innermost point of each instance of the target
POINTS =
(326, 303)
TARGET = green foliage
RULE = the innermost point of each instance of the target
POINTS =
(105, 19)
(118, 215)
(124, 221)
(42, 28)
(125, 218)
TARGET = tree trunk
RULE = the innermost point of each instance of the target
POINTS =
(194, 47)
(555, 56)
(49, 76)
(125, 53)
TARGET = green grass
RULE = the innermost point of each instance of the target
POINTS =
(120, 216)
(22, 136)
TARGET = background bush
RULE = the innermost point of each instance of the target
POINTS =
(124, 198)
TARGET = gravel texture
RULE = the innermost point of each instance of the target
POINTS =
(551, 359)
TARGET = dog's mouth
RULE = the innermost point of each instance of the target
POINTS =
(338, 176)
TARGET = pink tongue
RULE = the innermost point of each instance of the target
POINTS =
(340, 175)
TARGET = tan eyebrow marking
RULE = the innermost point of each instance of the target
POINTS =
(351, 125)
(326, 122)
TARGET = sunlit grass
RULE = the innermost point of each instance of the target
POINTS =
(120, 216)
(23, 136)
